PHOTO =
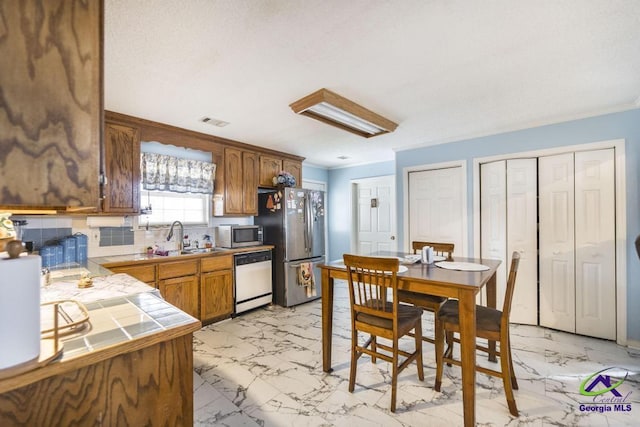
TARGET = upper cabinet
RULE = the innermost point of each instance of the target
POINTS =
(271, 165)
(121, 186)
(294, 167)
(51, 108)
(241, 183)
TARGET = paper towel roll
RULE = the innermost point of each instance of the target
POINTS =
(19, 310)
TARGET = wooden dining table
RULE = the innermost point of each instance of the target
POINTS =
(433, 280)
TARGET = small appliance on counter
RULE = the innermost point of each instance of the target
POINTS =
(293, 221)
(238, 236)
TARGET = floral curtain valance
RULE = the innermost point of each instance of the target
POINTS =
(168, 173)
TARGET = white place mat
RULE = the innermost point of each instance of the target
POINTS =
(437, 258)
(463, 266)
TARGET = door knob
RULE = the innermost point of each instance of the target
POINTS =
(393, 237)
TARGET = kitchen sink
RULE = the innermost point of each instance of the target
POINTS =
(199, 251)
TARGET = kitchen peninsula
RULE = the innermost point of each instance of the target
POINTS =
(132, 366)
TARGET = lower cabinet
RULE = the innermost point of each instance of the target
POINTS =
(181, 292)
(216, 288)
(144, 273)
(202, 287)
(179, 285)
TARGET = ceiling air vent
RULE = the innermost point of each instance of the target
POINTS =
(214, 122)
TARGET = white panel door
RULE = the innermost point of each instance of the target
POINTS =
(435, 206)
(557, 242)
(522, 236)
(493, 219)
(595, 244)
(376, 223)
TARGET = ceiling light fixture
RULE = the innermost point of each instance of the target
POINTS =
(335, 110)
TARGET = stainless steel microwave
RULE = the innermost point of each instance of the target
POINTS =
(238, 236)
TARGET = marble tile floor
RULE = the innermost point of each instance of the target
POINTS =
(264, 368)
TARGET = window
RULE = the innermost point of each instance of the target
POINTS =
(166, 207)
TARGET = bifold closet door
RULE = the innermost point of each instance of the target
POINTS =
(577, 243)
(493, 219)
(508, 215)
(557, 242)
(522, 237)
(595, 244)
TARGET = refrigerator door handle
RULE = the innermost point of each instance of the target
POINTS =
(309, 222)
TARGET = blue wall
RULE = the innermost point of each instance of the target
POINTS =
(339, 203)
(624, 125)
(314, 173)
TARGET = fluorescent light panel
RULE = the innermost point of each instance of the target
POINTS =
(335, 110)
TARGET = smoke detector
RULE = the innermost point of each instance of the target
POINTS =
(214, 122)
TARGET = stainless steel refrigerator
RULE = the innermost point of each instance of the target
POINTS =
(293, 221)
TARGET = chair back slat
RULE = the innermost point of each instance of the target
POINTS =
(443, 249)
(371, 281)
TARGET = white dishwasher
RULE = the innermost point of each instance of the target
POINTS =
(252, 280)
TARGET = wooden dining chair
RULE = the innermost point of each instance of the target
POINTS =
(430, 303)
(444, 249)
(373, 288)
(491, 324)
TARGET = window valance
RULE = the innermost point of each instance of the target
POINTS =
(168, 173)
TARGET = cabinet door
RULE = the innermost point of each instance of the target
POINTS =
(269, 167)
(181, 292)
(51, 107)
(233, 181)
(144, 273)
(216, 294)
(294, 168)
(250, 183)
(122, 164)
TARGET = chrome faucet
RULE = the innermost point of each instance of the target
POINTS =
(170, 235)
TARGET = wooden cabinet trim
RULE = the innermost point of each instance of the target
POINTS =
(216, 263)
(168, 270)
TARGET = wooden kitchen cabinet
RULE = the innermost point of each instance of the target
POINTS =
(179, 285)
(269, 167)
(144, 273)
(216, 288)
(241, 183)
(51, 108)
(294, 168)
(121, 188)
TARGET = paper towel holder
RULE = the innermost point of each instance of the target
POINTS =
(50, 349)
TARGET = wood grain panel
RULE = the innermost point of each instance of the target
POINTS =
(294, 167)
(152, 386)
(250, 168)
(122, 163)
(269, 167)
(233, 181)
(144, 273)
(216, 263)
(216, 295)
(182, 292)
(50, 102)
(168, 270)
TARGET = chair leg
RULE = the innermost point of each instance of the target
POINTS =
(394, 377)
(374, 348)
(514, 381)
(419, 362)
(439, 338)
(505, 362)
(354, 359)
(450, 343)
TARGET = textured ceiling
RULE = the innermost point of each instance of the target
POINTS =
(443, 70)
